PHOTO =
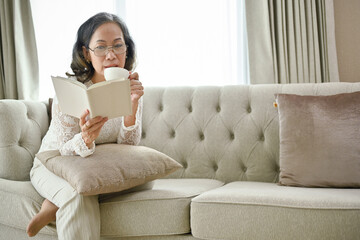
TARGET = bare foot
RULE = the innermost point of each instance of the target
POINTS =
(46, 215)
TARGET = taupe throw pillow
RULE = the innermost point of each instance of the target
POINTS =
(319, 140)
(112, 167)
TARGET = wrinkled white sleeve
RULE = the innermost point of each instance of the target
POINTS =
(66, 131)
(131, 135)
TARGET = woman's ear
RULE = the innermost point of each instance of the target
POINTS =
(86, 54)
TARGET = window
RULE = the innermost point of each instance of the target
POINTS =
(56, 24)
(179, 42)
(187, 42)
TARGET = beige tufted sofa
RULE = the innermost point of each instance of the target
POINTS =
(227, 139)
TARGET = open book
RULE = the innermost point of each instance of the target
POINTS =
(107, 99)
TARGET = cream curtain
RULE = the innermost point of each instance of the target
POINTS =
(19, 72)
(291, 41)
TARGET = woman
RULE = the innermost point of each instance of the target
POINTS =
(102, 41)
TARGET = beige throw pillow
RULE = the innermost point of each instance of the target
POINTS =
(319, 140)
(112, 167)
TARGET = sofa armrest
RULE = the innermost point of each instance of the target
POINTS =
(23, 124)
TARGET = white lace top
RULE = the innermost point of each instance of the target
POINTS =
(64, 132)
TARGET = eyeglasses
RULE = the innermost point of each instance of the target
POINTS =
(101, 51)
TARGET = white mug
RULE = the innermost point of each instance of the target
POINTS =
(116, 73)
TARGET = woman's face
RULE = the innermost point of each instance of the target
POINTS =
(108, 34)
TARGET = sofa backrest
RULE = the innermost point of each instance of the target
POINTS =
(229, 133)
(22, 126)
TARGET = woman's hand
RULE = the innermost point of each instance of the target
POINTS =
(137, 89)
(90, 129)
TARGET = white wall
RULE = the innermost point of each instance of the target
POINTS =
(347, 34)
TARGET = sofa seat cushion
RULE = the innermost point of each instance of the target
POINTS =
(19, 203)
(255, 210)
(162, 210)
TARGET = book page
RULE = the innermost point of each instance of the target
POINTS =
(110, 99)
(71, 95)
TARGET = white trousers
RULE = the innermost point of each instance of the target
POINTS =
(78, 216)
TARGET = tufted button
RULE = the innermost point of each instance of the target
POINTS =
(249, 109)
(190, 108)
(143, 134)
(262, 138)
(232, 136)
(172, 134)
(218, 109)
(215, 167)
(184, 164)
(161, 108)
(244, 169)
(202, 137)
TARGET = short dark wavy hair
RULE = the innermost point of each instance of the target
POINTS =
(84, 70)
